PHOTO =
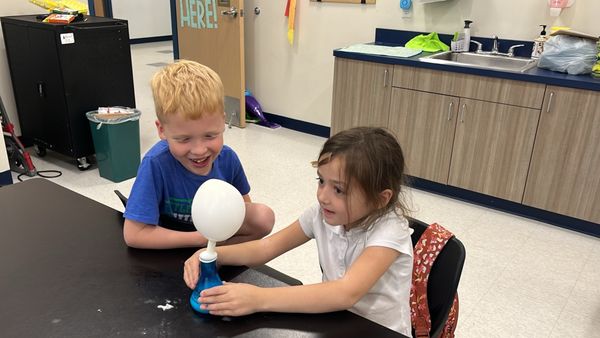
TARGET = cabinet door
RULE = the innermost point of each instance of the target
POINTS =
(564, 176)
(361, 94)
(50, 118)
(492, 148)
(424, 125)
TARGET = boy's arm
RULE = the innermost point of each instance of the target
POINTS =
(240, 299)
(143, 236)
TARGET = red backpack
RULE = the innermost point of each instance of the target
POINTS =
(425, 252)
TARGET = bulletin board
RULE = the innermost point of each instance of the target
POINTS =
(364, 2)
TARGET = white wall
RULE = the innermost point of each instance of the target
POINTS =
(296, 82)
(4, 166)
(149, 18)
(146, 18)
(11, 8)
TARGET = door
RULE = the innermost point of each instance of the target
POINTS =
(424, 124)
(361, 94)
(564, 175)
(493, 143)
(211, 32)
(99, 7)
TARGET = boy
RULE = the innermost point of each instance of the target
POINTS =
(188, 99)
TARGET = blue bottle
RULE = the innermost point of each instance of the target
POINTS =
(208, 279)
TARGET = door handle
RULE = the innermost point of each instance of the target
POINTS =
(550, 102)
(385, 78)
(450, 110)
(232, 11)
(462, 115)
(40, 89)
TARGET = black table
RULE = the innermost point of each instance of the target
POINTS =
(66, 272)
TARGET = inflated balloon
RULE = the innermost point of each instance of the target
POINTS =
(218, 210)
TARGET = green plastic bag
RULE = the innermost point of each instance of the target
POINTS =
(428, 43)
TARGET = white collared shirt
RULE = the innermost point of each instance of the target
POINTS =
(387, 302)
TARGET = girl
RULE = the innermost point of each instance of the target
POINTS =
(364, 244)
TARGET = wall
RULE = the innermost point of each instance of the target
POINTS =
(146, 18)
(3, 158)
(11, 8)
(296, 82)
(150, 18)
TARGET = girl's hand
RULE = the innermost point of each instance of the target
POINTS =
(191, 270)
(231, 299)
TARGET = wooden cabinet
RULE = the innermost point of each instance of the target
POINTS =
(424, 124)
(450, 135)
(492, 147)
(471, 144)
(564, 176)
(517, 93)
(519, 141)
(361, 94)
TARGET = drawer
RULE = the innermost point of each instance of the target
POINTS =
(517, 93)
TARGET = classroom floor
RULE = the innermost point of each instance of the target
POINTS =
(522, 278)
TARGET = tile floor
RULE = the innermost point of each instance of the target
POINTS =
(521, 278)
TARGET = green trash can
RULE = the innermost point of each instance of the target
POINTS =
(116, 137)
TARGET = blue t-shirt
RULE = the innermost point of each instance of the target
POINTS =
(164, 189)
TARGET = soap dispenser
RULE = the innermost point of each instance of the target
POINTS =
(538, 43)
(467, 36)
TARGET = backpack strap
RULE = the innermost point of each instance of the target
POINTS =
(428, 247)
(450, 327)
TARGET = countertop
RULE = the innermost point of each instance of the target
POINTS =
(390, 37)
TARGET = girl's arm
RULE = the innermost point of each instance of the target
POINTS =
(251, 253)
(239, 299)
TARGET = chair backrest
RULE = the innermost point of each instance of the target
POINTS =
(121, 197)
(443, 278)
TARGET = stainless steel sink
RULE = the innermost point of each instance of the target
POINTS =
(484, 61)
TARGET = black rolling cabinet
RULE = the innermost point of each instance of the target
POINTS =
(60, 72)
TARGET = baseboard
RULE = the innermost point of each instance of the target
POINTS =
(5, 178)
(150, 39)
(298, 125)
(567, 222)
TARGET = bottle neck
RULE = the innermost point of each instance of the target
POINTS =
(208, 268)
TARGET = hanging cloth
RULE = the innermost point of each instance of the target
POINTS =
(290, 13)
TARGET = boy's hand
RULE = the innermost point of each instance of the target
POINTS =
(191, 270)
(231, 299)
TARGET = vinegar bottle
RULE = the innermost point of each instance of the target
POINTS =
(208, 279)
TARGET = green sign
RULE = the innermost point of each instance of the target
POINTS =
(198, 14)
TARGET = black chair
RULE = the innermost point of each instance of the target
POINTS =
(121, 197)
(443, 278)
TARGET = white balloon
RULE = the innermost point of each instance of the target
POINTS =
(218, 210)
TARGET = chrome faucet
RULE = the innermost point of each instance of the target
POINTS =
(479, 46)
(494, 51)
(495, 45)
(511, 50)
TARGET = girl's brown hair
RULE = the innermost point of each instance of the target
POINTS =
(373, 162)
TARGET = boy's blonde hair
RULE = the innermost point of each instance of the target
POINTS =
(188, 88)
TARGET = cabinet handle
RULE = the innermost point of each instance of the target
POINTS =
(550, 102)
(450, 110)
(40, 88)
(385, 76)
(115, 26)
(462, 115)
